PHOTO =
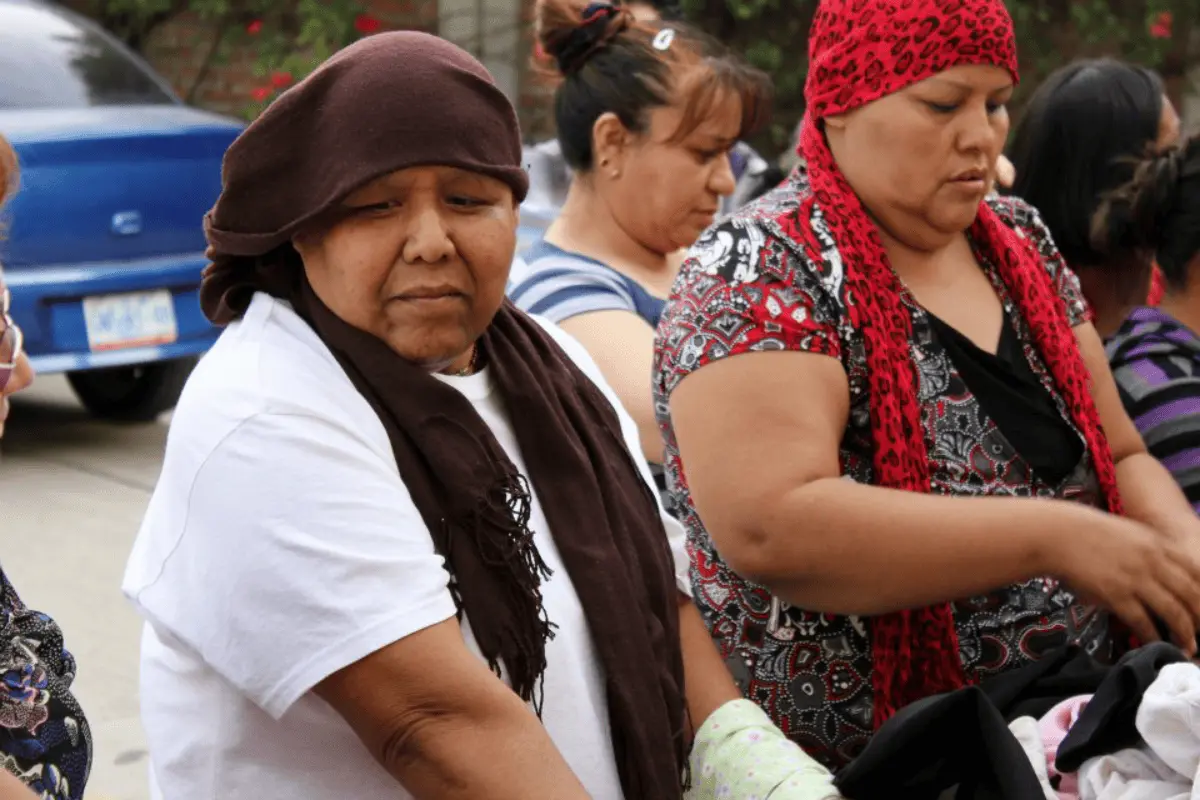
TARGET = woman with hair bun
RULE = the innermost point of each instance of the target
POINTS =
(1155, 354)
(647, 113)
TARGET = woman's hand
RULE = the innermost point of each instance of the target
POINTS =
(1003, 176)
(1136, 573)
(1006, 173)
(20, 379)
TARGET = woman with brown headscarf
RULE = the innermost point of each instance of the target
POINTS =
(891, 427)
(397, 517)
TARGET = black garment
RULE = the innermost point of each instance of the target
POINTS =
(962, 738)
(957, 739)
(1015, 399)
(1107, 724)
(1035, 689)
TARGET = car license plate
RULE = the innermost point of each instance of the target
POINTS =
(129, 320)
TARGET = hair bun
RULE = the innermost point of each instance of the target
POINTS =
(1134, 217)
(597, 25)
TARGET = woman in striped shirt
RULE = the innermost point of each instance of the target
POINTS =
(1155, 355)
(646, 114)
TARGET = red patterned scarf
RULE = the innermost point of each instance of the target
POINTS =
(860, 51)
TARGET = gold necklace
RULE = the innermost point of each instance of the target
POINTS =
(469, 369)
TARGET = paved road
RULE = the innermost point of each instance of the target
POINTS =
(72, 492)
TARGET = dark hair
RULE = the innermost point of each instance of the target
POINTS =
(610, 63)
(1157, 213)
(1075, 141)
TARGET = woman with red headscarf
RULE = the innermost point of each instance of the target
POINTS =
(919, 410)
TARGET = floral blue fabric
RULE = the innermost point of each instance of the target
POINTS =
(44, 738)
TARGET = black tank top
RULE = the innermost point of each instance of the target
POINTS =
(1011, 394)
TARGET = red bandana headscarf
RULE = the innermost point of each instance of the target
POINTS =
(860, 51)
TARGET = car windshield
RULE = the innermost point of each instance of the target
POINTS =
(48, 60)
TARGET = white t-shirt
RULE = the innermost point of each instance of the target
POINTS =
(281, 545)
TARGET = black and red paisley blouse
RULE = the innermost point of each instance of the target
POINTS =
(748, 287)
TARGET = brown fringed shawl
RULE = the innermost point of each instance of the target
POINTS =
(353, 121)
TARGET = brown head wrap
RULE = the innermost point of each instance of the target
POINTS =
(408, 99)
(387, 102)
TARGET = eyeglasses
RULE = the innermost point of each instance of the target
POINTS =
(11, 340)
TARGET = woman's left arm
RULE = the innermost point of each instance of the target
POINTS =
(707, 682)
(1148, 490)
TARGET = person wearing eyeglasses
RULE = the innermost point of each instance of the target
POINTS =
(45, 741)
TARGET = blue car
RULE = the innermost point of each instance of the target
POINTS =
(103, 244)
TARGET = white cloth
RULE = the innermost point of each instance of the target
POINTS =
(1027, 731)
(1131, 775)
(1168, 718)
(280, 546)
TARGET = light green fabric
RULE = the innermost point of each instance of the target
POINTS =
(739, 754)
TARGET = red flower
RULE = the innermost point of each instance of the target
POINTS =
(1161, 27)
(366, 24)
(254, 28)
(281, 80)
(261, 93)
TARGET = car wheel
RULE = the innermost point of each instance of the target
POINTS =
(138, 393)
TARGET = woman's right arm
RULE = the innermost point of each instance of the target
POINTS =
(759, 436)
(444, 726)
(300, 519)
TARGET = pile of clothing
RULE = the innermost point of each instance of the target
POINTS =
(1063, 727)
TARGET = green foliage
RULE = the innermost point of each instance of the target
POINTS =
(288, 38)
(1159, 33)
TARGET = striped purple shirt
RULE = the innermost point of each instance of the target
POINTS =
(1156, 361)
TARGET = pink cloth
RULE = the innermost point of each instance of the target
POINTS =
(1054, 727)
